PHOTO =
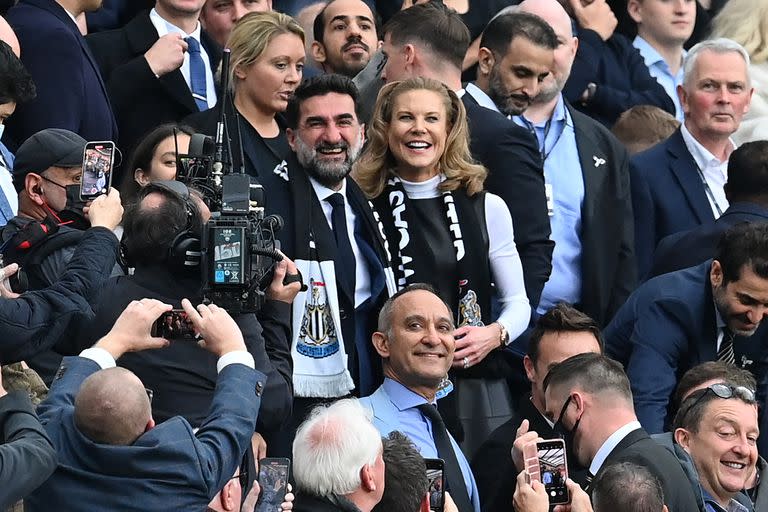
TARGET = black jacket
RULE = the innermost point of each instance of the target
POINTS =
(141, 101)
(183, 376)
(37, 320)
(309, 503)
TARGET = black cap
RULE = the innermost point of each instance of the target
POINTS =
(52, 147)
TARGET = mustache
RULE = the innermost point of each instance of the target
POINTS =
(355, 41)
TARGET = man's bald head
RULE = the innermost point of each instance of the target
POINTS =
(8, 36)
(112, 407)
(553, 13)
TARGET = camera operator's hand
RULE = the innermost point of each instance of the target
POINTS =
(133, 328)
(167, 54)
(279, 291)
(106, 210)
(530, 497)
(5, 286)
(448, 504)
(523, 438)
(219, 331)
(580, 501)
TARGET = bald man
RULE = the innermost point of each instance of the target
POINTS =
(99, 417)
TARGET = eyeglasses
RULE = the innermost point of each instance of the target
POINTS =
(243, 476)
(725, 392)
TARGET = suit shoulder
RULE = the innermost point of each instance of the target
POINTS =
(650, 158)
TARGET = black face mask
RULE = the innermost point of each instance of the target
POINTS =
(567, 435)
(72, 214)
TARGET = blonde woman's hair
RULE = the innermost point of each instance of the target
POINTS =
(377, 163)
(746, 22)
(251, 36)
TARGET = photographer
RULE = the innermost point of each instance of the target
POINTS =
(36, 320)
(159, 229)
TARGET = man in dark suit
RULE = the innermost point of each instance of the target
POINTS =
(70, 90)
(590, 211)
(560, 333)
(158, 68)
(430, 40)
(338, 248)
(609, 75)
(678, 184)
(111, 454)
(27, 457)
(589, 399)
(705, 313)
(747, 195)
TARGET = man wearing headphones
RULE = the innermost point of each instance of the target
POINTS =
(163, 224)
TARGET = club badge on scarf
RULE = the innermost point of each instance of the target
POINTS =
(317, 336)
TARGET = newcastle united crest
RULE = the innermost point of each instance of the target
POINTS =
(317, 337)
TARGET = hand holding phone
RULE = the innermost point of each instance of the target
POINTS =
(553, 470)
(273, 480)
(98, 159)
(174, 325)
(436, 479)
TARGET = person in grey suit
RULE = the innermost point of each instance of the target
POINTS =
(27, 456)
(111, 454)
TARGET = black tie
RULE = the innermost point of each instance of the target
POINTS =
(725, 353)
(453, 474)
(345, 257)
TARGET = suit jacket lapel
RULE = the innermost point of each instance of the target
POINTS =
(593, 162)
(685, 170)
(141, 34)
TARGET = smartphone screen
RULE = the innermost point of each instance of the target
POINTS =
(273, 480)
(174, 325)
(98, 159)
(553, 469)
(436, 479)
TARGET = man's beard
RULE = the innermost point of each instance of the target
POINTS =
(498, 93)
(718, 293)
(328, 174)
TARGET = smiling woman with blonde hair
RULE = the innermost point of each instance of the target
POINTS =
(444, 230)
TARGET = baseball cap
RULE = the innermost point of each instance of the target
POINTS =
(52, 147)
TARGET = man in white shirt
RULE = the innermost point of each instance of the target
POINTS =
(663, 26)
(678, 184)
(589, 398)
(158, 68)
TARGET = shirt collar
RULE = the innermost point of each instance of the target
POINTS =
(163, 27)
(402, 397)
(482, 99)
(324, 192)
(611, 443)
(700, 154)
(733, 505)
(559, 115)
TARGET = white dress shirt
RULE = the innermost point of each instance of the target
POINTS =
(715, 171)
(611, 443)
(105, 360)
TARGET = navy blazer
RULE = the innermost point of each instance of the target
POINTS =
(621, 76)
(169, 467)
(667, 196)
(70, 91)
(511, 155)
(141, 101)
(689, 248)
(668, 326)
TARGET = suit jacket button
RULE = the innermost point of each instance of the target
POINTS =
(342, 314)
(259, 388)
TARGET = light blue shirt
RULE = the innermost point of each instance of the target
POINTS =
(395, 408)
(659, 69)
(565, 197)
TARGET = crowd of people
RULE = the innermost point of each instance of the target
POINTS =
(498, 221)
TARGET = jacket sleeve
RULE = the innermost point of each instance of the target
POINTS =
(72, 372)
(36, 320)
(27, 457)
(609, 102)
(269, 345)
(515, 174)
(226, 433)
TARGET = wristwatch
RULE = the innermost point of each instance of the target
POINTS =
(504, 337)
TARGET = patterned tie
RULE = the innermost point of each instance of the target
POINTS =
(197, 73)
(725, 354)
(345, 256)
(445, 451)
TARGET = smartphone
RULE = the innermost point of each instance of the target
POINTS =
(553, 470)
(436, 479)
(98, 159)
(174, 325)
(273, 480)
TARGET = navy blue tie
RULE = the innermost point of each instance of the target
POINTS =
(197, 74)
(345, 256)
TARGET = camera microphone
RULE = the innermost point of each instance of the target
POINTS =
(273, 222)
